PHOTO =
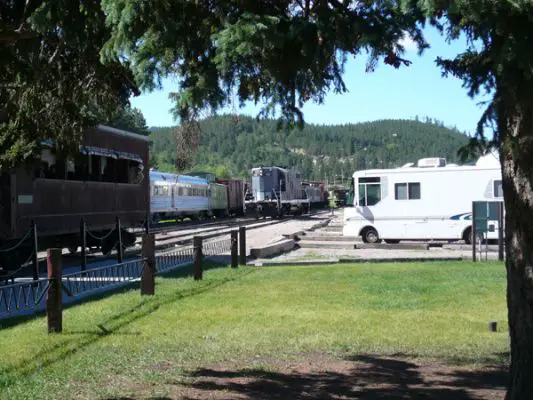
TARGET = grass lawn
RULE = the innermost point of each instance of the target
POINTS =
(260, 320)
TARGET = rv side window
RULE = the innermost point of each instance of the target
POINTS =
(498, 189)
(407, 191)
(369, 191)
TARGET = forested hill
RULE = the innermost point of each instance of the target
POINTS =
(230, 145)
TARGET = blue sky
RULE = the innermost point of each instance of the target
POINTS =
(385, 93)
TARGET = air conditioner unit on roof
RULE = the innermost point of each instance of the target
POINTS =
(431, 162)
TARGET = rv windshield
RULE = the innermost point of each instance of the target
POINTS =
(369, 191)
(350, 197)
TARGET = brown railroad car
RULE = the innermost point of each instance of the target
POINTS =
(107, 179)
(235, 189)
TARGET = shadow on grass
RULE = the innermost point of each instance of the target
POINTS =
(75, 340)
(145, 398)
(362, 377)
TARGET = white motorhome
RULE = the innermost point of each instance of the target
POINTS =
(429, 200)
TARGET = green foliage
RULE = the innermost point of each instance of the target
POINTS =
(52, 83)
(497, 61)
(280, 53)
(129, 119)
(235, 143)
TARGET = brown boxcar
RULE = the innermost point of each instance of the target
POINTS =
(105, 180)
(235, 189)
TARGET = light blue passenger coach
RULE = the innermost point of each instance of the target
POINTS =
(178, 196)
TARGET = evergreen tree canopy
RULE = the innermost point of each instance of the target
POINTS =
(280, 53)
(499, 57)
(233, 144)
(130, 119)
(52, 82)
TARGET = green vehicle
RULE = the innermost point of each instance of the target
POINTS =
(218, 200)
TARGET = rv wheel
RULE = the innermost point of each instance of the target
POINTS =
(370, 236)
(468, 236)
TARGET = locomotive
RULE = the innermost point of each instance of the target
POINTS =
(277, 191)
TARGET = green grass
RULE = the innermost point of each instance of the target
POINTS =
(432, 310)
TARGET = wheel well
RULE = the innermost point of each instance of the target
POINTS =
(466, 232)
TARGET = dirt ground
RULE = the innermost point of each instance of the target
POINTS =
(319, 376)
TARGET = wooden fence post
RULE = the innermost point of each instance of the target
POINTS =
(148, 256)
(242, 243)
(83, 234)
(234, 249)
(197, 245)
(120, 251)
(54, 304)
(35, 255)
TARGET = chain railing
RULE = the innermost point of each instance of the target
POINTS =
(107, 276)
(15, 260)
(22, 296)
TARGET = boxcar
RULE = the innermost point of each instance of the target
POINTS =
(103, 181)
(235, 193)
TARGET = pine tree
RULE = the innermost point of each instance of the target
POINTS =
(499, 61)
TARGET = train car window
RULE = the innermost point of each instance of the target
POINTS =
(123, 171)
(70, 167)
(109, 170)
(44, 164)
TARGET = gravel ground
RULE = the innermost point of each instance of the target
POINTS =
(270, 234)
(323, 254)
(333, 254)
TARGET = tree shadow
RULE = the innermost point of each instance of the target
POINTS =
(361, 377)
(74, 341)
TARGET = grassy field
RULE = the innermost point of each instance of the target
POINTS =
(124, 344)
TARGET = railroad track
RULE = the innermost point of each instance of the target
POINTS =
(166, 237)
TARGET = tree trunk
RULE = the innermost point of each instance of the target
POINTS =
(516, 155)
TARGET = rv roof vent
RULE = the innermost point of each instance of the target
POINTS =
(431, 162)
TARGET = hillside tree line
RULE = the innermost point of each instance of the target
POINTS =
(231, 144)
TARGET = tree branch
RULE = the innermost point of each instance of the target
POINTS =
(15, 36)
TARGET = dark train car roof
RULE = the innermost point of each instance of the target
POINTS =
(121, 132)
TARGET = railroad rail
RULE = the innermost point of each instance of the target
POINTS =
(167, 237)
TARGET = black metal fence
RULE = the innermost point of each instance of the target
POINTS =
(22, 296)
(107, 276)
(37, 293)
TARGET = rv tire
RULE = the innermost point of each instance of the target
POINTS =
(467, 236)
(370, 235)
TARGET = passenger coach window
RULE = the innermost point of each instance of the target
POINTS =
(498, 189)
(369, 191)
(407, 191)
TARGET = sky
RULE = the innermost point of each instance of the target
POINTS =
(417, 90)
